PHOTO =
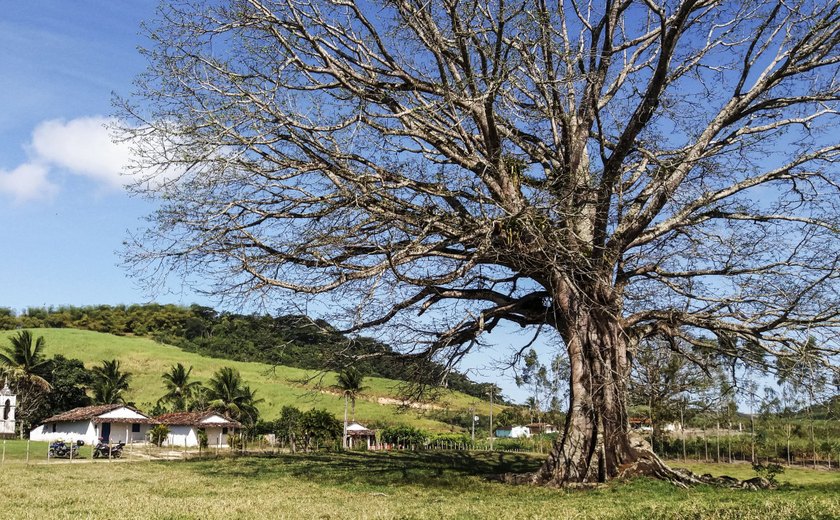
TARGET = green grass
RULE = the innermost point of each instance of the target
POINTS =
(743, 470)
(14, 451)
(277, 386)
(380, 485)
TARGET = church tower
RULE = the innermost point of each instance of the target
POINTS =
(8, 403)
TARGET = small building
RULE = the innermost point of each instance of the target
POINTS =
(640, 423)
(514, 432)
(357, 434)
(677, 426)
(8, 406)
(184, 428)
(110, 422)
(541, 428)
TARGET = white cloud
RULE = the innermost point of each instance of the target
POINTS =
(27, 182)
(81, 147)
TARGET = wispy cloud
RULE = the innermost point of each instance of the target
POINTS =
(27, 182)
(80, 147)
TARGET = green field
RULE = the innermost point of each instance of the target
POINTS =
(277, 386)
(407, 485)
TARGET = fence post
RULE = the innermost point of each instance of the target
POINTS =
(28, 441)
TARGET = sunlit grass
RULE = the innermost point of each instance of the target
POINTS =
(380, 485)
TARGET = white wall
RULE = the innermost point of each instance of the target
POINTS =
(214, 436)
(178, 435)
(67, 431)
(123, 413)
(121, 431)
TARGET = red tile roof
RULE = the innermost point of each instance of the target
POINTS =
(87, 413)
(194, 419)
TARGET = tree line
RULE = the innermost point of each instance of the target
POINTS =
(290, 340)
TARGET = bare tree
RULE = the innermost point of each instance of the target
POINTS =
(607, 171)
(661, 377)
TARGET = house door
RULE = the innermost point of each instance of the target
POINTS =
(106, 431)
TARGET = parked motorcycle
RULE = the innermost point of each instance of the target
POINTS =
(105, 450)
(65, 450)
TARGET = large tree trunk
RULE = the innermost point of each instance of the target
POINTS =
(596, 444)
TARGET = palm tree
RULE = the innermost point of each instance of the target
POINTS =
(226, 393)
(179, 388)
(24, 363)
(109, 383)
(349, 381)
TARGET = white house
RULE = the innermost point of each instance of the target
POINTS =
(358, 433)
(539, 427)
(514, 432)
(184, 428)
(8, 404)
(111, 422)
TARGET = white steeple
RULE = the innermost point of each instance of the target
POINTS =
(8, 404)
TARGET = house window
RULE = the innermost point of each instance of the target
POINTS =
(224, 431)
(135, 428)
(7, 408)
(54, 427)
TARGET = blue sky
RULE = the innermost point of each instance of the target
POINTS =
(62, 205)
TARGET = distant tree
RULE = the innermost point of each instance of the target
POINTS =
(661, 377)
(320, 428)
(8, 321)
(512, 416)
(69, 379)
(559, 383)
(24, 365)
(227, 393)
(349, 381)
(179, 388)
(25, 359)
(535, 376)
(109, 383)
(289, 426)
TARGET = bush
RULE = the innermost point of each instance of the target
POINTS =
(768, 471)
(405, 436)
(158, 434)
(203, 441)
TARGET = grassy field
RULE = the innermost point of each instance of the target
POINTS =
(382, 485)
(277, 386)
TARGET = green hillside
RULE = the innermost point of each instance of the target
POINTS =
(277, 386)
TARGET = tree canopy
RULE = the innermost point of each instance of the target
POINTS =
(109, 382)
(608, 172)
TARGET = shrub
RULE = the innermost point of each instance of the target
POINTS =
(203, 441)
(404, 435)
(158, 434)
(768, 471)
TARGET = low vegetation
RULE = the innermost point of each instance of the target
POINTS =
(386, 485)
